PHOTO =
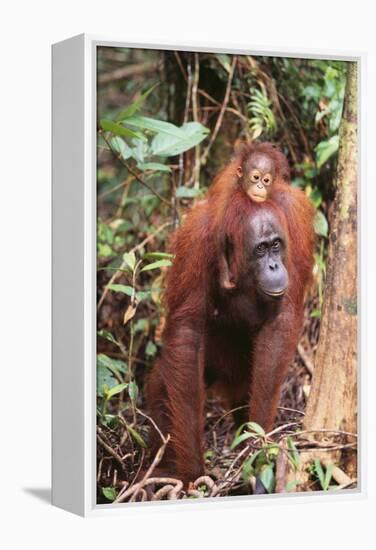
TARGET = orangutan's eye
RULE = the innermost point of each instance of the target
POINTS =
(255, 176)
(260, 249)
(276, 245)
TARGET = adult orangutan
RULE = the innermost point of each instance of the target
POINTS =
(242, 340)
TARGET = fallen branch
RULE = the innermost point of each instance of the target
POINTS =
(110, 450)
(146, 479)
(338, 475)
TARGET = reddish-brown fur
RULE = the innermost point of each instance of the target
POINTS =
(233, 340)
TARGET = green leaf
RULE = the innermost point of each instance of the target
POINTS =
(115, 390)
(293, 453)
(320, 472)
(151, 349)
(108, 336)
(117, 129)
(120, 147)
(136, 436)
(104, 250)
(254, 427)
(224, 60)
(267, 478)
(291, 485)
(320, 224)
(157, 265)
(141, 325)
(183, 192)
(272, 451)
(328, 476)
(316, 197)
(130, 259)
(109, 493)
(170, 140)
(155, 126)
(133, 390)
(157, 256)
(115, 365)
(136, 105)
(315, 313)
(240, 438)
(325, 149)
(108, 373)
(105, 233)
(190, 134)
(105, 379)
(125, 289)
(247, 467)
(140, 150)
(157, 166)
(143, 295)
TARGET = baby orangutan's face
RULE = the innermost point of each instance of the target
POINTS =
(256, 176)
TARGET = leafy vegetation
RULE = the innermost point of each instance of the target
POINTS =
(162, 136)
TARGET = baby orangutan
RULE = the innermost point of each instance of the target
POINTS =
(256, 176)
(256, 172)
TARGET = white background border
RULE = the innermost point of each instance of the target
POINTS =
(28, 30)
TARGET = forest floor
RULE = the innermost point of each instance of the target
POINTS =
(123, 456)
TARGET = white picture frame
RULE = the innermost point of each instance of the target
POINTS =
(74, 276)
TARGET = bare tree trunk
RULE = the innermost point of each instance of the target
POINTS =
(332, 402)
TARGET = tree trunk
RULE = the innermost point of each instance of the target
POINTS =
(332, 402)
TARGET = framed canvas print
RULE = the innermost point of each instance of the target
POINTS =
(206, 275)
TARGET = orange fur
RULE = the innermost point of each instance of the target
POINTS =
(244, 346)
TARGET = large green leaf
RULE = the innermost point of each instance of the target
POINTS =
(325, 149)
(166, 145)
(170, 140)
(154, 125)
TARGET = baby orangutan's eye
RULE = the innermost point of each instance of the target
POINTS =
(267, 179)
(255, 176)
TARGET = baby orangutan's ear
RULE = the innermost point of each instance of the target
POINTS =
(239, 171)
